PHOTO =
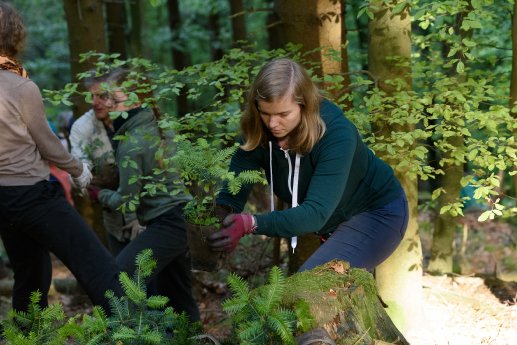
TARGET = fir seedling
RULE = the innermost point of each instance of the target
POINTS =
(38, 326)
(203, 168)
(259, 316)
(135, 317)
(138, 319)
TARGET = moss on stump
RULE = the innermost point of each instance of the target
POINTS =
(344, 302)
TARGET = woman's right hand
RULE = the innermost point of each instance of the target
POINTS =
(83, 180)
(234, 227)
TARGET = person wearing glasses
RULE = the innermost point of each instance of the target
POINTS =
(91, 140)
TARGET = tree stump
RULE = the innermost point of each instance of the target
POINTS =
(344, 301)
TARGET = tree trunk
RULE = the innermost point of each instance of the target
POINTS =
(135, 29)
(513, 80)
(239, 30)
(214, 32)
(345, 303)
(179, 58)
(274, 29)
(306, 245)
(317, 26)
(399, 278)
(86, 32)
(446, 224)
(345, 69)
(116, 26)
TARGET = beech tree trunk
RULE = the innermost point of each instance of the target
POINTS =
(345, 68)
(345, 303)
(513, 80)
(316, 25)
(446, 224)
(86, 31)
(399, 278)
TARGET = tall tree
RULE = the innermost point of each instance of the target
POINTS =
(179, 57)
(513, 79)
(399, 278)
(135, 28)
(239, 31)
(345, 85)
(274, 30)
(316, 25)
(214, 30)
(446, 223)
(86, 32)
(116, 28)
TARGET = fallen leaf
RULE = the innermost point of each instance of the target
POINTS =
(338, 267)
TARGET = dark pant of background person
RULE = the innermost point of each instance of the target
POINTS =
(116, 246)
(166, 236)
(367, 239)
(36, 220)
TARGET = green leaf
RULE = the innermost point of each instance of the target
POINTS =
(460, 67)
(484, 216)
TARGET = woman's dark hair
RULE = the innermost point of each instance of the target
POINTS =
(12, 31)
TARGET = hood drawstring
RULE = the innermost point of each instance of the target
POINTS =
(293, 187)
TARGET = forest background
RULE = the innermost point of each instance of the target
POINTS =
(430, 84)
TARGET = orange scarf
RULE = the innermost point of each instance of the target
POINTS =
(10, 64)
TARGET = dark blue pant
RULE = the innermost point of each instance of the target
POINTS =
(36, 220)
(166, 236)
(367, 239)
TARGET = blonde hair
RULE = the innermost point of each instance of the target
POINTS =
(277, 79)
(12, 31)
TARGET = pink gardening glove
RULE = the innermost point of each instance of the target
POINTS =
(234, 227)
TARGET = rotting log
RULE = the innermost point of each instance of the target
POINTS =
(345, 303)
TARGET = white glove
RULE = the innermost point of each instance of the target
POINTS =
(83, 180)
(132, 229)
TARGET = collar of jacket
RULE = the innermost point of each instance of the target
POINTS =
(119, 124)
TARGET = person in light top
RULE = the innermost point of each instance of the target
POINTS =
(35, 217)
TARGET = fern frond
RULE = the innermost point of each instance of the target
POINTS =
(275, 289)
(119, 308)
(157, 302)
(251, 331)
(238, 286)
(145, 264)
(241, 294)
(131, 288)
(282, 323)
(124, 334)
(53, 312)
(152, 337)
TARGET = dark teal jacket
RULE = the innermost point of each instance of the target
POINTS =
(137, 163)
(340, 178)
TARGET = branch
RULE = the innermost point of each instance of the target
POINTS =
(250, 10)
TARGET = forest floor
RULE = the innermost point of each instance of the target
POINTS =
(478, 306)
